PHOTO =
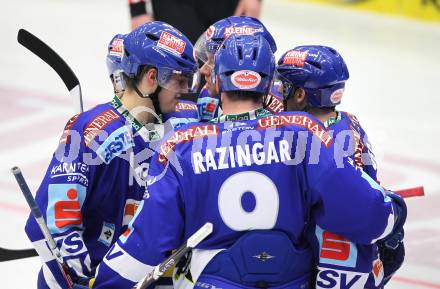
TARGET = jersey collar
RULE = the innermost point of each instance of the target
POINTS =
(148, 135)
(253, 114)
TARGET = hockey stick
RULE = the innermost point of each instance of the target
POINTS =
(9, 255)
(35, 210)
(48, 55)
(160, 269)
(412, 192)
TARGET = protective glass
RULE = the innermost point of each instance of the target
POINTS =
(206, 48)
(177, 80)
(285, 87)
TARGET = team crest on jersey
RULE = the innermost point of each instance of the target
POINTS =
(245, 79)
(117, 47)
(64, 206)
(241, 30)
(107, 234)
(295, 58)
(171, 43)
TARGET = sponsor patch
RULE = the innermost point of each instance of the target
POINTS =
(131, 205)
(124, 236)
(65, 137)
(295, 58)
(198, 131)
(98, 124)
(337, 279)
(274, 104)
(185, 106)
(117, 142)
(337, 96)
(298, 120)
(117, 47)
(171, 43)
(75, 172)
(107, 234)
(207, 108)
(335, 249)
(245, 79)
(241, 30)
(64, 206)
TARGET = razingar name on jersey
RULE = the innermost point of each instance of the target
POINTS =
(239, 156)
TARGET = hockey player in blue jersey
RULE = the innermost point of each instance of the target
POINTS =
(208, 101)
(97, 176)
(185, 110)
(313, 79)
(258, 178)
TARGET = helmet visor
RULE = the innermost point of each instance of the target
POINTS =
(285, 87)
(177, 80)
(205, 49)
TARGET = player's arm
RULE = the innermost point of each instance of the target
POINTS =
(350, 203)
(208, 106)
(62, 199)
(154, 232)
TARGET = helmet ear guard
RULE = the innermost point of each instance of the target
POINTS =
(319, 70)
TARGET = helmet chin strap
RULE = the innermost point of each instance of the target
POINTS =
(153, 96)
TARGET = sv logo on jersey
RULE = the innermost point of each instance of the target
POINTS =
(72, 244)
(337, 279)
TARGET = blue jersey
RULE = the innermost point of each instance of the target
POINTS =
(341, 261)
(186, 112)
(92, 188)
(209, 105)
(255, 171)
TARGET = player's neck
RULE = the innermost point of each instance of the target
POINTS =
(136, 106)
(239, 106)
(322, 114)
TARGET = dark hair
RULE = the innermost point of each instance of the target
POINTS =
(242, 95)
(135, 80)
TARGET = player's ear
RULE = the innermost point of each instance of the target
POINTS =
(151, 74)
(300, 97)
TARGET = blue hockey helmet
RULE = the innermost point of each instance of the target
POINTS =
(162, 46)
(319, 70)
(245, 63)
(114, 55)
(213, 37)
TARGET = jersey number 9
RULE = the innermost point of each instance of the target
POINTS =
(265, 213)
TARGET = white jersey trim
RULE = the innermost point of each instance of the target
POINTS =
(127, 266)
(42, 250)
